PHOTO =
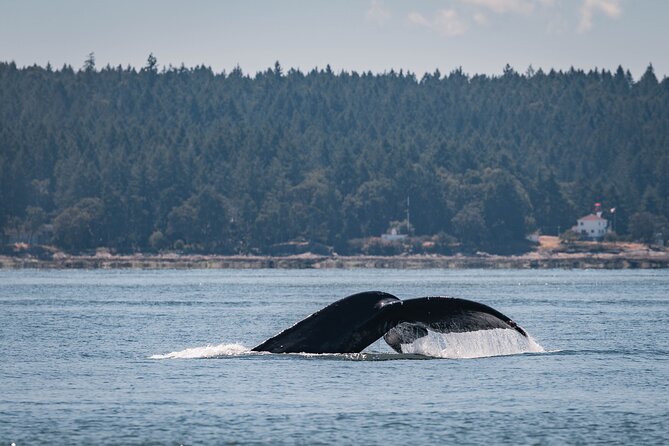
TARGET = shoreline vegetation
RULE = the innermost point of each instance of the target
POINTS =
(187, 160)
(550, 253)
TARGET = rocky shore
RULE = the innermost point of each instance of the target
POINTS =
(643, 258)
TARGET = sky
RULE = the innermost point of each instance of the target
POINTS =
(481, 36)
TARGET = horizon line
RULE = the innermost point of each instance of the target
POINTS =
(530, 71)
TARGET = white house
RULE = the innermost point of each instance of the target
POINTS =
(592, 226)
(393, 236)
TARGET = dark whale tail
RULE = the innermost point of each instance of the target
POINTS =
(353, 323)
(443, 315)
(346, 326)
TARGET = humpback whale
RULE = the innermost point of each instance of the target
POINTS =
(351, 324)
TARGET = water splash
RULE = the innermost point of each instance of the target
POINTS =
(208, 351)
(473, 344)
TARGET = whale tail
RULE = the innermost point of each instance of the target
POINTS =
(354, 322)
(346, 326)
(414, 317)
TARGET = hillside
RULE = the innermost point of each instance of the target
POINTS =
(188, 159)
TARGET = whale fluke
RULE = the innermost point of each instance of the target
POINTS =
(443, 315)
(346, 326)
(353, 323)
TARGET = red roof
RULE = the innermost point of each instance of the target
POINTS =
(591, 217)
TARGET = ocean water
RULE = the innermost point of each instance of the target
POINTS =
(162, 357)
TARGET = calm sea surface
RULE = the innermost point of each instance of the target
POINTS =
(80, 360)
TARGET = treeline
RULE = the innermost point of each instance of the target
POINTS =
(185, 158)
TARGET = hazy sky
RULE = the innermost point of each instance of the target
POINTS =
(377, 35)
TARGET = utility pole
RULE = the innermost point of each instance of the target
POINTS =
(614, 222)
(408, 220)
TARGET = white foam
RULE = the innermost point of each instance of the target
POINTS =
(473, 344)
(208, 351)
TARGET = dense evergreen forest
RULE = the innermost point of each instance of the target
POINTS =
(188, 159)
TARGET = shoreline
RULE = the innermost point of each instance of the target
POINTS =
(646, 259)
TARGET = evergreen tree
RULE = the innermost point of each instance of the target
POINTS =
(233, 163)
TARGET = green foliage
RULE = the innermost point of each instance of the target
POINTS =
(202, 221)
(647, 227)
(470, 227)
(89, 63)
(569, 236)
(190, 159)
(35, 219)
(157, 240)
(79, 226)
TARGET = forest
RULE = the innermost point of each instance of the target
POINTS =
(186, 159)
